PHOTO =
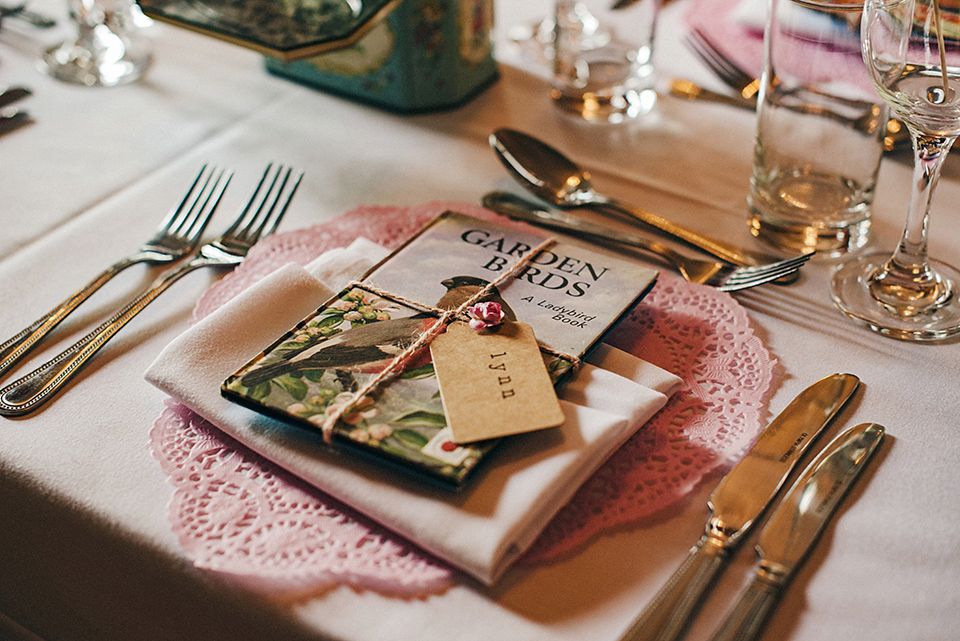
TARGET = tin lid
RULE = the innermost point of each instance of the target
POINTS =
(284, 29)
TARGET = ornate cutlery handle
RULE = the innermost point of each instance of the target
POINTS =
(16, 347)
(692, 91)
(667, 615)
(33, 390)
(748, 617)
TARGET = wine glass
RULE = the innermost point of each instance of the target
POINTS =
(107, 49)
(912, 51)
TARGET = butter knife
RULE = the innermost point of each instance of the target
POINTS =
(740, 498)
(795, 526)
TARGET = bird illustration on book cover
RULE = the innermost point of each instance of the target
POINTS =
(567, 293)
(373, 339)
(328, 357)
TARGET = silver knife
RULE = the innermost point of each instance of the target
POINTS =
(796, 525)
(740, 498)
(518, 208)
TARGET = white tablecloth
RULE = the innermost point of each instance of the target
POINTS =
(85, 548)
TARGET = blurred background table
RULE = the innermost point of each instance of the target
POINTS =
(85, 548)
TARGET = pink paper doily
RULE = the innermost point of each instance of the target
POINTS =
(239, 515)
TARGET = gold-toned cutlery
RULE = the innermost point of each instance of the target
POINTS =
(735, 77)
(738, 501)
(747, 88)
(682, 88)
(723, 276)
(548, 174)
(794, 527)
(258, 218)
(178, 235)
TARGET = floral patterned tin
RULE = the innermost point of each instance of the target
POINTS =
(402, 55)
(426, 54)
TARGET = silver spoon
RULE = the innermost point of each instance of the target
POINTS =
(550, 175)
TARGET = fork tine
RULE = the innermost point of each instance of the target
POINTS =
(753, 280)
(268, 223)
(286, 204)
(253, 199)
(167, 223)
(254, 235)
(205, 212)
(776, 270)
(753, 276)
(787, 263)
(717, 61)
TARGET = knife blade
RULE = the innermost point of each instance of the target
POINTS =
(796, 525)
(518, 208)
(736, 503)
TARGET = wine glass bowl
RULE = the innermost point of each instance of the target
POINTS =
(912, 52)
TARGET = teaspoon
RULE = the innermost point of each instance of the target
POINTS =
(550, 175)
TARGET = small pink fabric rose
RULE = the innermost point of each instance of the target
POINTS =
(484, 315)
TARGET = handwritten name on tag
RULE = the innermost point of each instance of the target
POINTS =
(493, 383)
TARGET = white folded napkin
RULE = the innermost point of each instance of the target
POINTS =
(480, 530)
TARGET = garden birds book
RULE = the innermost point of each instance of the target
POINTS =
(570, 294)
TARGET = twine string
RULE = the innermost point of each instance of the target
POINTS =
(445, 317)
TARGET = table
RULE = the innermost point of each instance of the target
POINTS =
(85, 548)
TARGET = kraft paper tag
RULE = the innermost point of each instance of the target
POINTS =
(494, 382)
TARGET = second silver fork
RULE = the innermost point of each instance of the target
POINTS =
(33, 390)
(178, 235)
(723, 276)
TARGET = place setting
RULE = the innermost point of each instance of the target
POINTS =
(220, 432)
(451, 407)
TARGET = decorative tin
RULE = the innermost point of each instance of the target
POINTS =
(403, 55)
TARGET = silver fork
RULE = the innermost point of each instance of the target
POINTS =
(867, 114)
(178, 235)
(33, 390)
(735, 77)
(720, 64)
(723, 276)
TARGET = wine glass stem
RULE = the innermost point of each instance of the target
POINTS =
(907, 283)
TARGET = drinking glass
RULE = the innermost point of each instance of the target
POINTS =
(107, 50)
(603, 58)
(820, 128)
(912, 51)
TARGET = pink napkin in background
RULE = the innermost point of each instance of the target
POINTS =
(481, 530)
(736, 27)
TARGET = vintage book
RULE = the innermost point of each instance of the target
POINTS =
(570, 294)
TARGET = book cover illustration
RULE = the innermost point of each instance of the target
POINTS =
(568, 293)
